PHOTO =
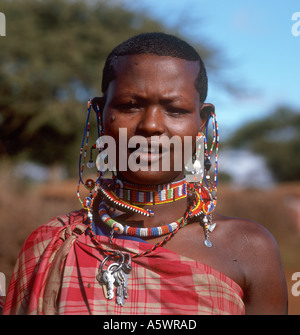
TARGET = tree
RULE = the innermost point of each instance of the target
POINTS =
(277, 138)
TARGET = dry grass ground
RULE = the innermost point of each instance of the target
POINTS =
(23, 207)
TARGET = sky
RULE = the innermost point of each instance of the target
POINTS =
(259, 40)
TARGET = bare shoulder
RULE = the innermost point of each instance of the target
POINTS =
(259, 258)
(254, 246)
(247, 233)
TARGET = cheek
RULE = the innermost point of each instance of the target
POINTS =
(192, 129)
(183, 128)
(187, 132)
(113, 121)
(111, 125)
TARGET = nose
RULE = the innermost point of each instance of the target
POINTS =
(151, 122)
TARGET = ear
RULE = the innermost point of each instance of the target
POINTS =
(98, 104)
(206, 110)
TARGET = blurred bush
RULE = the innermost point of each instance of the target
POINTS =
(275, 137)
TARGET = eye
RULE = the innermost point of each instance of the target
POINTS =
(129, 107)
(177, 111)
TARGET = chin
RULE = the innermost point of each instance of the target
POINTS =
(151, 177)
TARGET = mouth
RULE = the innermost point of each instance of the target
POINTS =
(147, 154)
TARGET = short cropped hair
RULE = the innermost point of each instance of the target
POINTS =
(160, 44)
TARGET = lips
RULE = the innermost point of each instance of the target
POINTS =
(150, 149)
(148, 153)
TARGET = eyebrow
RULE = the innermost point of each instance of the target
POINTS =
(165, 100)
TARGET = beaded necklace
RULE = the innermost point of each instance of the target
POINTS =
(182, 222)
(151, 195)
(202, 204)
(142, 195)
(133, 231)
(143, 232)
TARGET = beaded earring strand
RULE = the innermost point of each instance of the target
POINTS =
(89, 184)
(83, 152)
(207, 220)
(207, 155)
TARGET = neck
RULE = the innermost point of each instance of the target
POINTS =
(152, 182)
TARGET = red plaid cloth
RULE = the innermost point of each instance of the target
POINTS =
(160, 283)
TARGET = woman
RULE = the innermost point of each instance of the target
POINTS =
(148, 240)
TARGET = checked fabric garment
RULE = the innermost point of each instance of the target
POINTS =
(57, 267)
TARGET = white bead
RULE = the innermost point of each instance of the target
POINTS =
(120, 228)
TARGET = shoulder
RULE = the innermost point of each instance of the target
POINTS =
(36, 248)
(258, 256)
(253, 244)
(248, 235)
(42, 235)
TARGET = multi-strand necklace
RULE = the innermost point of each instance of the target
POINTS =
(136, 198)
(116, 274)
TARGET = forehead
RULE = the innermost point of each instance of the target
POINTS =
(122, 63)
(162, 71)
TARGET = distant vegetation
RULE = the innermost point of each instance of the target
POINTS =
(277, 138)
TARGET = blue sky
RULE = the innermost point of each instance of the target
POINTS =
(256, 37)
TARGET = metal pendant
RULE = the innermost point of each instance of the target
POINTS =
(115, 277)
(208, 243)
(211, 227)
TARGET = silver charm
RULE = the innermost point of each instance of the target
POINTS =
(90, 164)
(211, 227)
(208, 227)
(193, 167)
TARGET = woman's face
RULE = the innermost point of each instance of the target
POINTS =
(153, 97)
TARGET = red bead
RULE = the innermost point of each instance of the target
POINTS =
(89, 184)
